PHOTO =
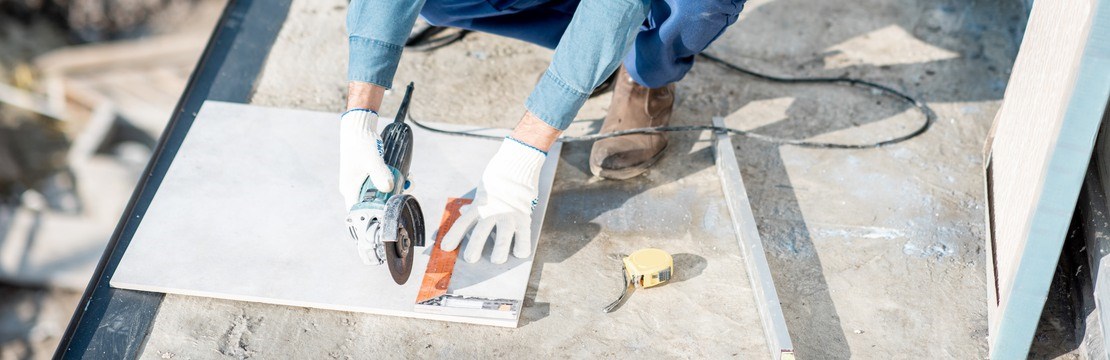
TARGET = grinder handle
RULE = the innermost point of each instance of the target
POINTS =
(397, 139)
(403, 112)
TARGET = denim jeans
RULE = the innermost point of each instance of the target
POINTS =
(656, 39)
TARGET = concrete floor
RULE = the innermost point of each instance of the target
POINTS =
(876, 253)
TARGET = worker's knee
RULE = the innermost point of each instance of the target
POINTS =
(436, 13)
(701, 22)
(641, 6)
(689, 8)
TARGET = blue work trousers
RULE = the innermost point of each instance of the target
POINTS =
(656, 39)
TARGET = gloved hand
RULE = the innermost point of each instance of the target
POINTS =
(360, 155)
(505, 198)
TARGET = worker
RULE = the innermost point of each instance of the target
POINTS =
(655, 40)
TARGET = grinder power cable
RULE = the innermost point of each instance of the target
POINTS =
(387, 225)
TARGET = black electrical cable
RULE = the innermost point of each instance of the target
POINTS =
(426, 38)
(921, 106)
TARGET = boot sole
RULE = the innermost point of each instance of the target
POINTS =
(629, 172)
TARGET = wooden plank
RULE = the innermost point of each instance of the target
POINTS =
(1042, 143)
(156, 50)
(15, 97)
(751, 246)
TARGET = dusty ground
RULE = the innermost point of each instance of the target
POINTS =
(31, 320)
(877, 253)
(33, 316)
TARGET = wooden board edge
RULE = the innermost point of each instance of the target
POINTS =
(1012, 330)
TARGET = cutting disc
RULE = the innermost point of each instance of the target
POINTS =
(401, 232)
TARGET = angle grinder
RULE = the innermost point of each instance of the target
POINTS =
(387, 226)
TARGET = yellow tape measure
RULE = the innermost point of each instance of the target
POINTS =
(644, 268)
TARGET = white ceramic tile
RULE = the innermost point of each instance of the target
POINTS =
(249, 210)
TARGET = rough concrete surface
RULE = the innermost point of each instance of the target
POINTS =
(876, 253)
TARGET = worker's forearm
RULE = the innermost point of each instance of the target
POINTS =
(377, 30)
(362, 95)
(530, 130)
(598, 37)
(533, 131)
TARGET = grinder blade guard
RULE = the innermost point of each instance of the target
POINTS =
(386, 226)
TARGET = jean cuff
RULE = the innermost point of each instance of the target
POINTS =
(372, 61)
(555, 102)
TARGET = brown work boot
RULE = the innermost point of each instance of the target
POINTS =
(633, 106)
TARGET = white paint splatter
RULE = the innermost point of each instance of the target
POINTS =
(862, 232)
(938, 249)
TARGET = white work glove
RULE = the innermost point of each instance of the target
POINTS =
(360, 155)
(505, 198)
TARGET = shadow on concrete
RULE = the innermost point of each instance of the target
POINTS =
(687, 266)
(533, 311)
(578, 199)
(972, 30)
(959, 27)
(1068, 326)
